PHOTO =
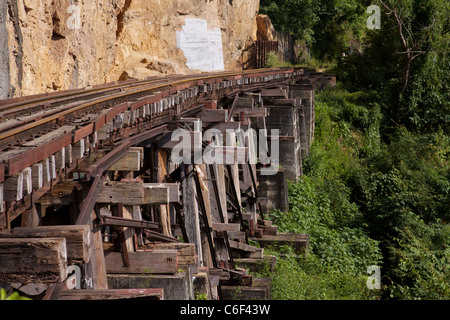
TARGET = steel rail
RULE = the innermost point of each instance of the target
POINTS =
(105, 88)
(56, 116)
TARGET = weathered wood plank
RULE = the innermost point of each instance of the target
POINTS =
(128, 232)
(186, 251)
(62, 193)
(37, 175)
(1, 198)
(129, 223)
(239, 235)
(226, 227)
(132, 193)
(152, 262)
(213, 116)
(78, 149)
(52, 164)
(33, 260)
(77, 238)
(174, 190)
(156, 195)
(242, 246)
(190, 209)
(157, 236)
(253, 112)
(129, 193)
(95, 269)
(30, 217)
(13, 188)
(27, 181)
(131, 161)
(46, 170)
(68, 153)
(207, 238)
(113, 294)
(60, 158)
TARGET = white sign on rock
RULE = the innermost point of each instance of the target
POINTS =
(202, 47)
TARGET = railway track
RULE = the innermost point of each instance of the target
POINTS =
(53, 132)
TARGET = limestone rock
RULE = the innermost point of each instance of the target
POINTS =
(55, 45)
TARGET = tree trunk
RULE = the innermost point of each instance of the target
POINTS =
(406, 74)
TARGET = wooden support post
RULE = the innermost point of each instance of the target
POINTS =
(231, 141)
(122, 239)
(250, 206)
(2, 207)
(164, 212)
(206, 239)
(129, 232)
(137, 215)
(95, 269)
(52, 163)
(190, 209)
(30, 218)
(218, 204)
(221, 185)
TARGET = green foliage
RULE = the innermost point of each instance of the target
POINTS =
(328, 27)
(293, 16)
(408, 209)
(273, 61)
(368, 200)
(13, 296)
(381, 66)
(200, 296)
(376, 185)
(307, 279)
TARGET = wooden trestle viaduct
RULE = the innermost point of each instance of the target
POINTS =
(93, 207)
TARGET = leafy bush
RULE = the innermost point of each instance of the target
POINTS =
(13, 296)
(368, 199)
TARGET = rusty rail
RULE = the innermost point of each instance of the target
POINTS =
(115, 104)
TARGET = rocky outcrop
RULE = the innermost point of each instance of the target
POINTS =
(64, 44)
(289, 49)
(4, 53)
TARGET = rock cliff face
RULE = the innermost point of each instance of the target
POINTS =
(65, 44)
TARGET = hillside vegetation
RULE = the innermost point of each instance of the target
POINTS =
(376, 186)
